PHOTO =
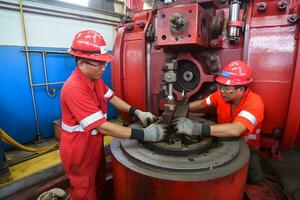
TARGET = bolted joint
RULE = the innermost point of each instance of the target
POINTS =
(177, 23)
(261, 6)
(129, 27)
(293, 19)
(141, 25)
(282, 4)
(170, 77)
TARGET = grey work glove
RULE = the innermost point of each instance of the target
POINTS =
(146, 118)
(52, 194)
(155, 132)
(185, 126)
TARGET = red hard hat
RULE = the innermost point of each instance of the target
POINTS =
(91, 45)
(235, 73)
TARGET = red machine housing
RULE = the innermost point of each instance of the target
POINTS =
(176, 50)
(268, 41)
(146, 187)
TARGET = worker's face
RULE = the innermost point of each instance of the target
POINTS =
(92, 69)
(230, 93)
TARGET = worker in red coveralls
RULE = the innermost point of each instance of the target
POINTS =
(84, 99)
(240, 113)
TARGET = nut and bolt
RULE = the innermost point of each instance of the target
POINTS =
(282, 5)
(261, 6)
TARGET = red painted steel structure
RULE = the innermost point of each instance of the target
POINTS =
(268, 42)
(201, 36)
(135, 186)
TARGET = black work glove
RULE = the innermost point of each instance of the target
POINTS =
(185, 126)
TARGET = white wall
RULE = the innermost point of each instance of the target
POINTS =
(48, 31)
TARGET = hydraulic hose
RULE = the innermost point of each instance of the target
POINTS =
(7, 139)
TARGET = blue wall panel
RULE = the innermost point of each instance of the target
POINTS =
(16, 108)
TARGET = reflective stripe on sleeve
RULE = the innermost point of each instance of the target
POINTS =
(71, 129)
(80, 128)
(252, 137)
(248, 116)
(208, 101)
(108, 94)
(91, 119)
(76, 129)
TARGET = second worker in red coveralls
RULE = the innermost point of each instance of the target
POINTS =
(240, 113)
(84, 99)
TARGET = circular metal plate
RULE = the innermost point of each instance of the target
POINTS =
(178, 147)
(224, 152)
(227, 158)
(187, 75)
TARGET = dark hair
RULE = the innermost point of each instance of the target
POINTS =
(77, 59)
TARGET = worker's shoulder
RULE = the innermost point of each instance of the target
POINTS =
(73, 83)
(254, 98)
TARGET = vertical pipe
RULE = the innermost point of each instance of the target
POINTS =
(170, 96)
(234, 12)
(148, 49)
(50, 92)
(38, 134)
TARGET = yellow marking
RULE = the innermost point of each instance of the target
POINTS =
(107, 139)
(39, 163)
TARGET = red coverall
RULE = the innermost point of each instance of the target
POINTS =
(250, 113)
(84, 107)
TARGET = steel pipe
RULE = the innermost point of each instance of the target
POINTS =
(38, 134)
(57, 13)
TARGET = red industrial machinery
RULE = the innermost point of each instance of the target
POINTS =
(170, 55)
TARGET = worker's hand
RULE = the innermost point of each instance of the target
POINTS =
(183, 125)
(155, 132)
(146, 118)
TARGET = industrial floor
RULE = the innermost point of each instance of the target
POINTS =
(28, 168)
(288, 172)
(281, 178)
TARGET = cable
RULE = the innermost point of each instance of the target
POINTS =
(7, 139)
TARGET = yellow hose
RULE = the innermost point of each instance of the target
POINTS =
(6, 138)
